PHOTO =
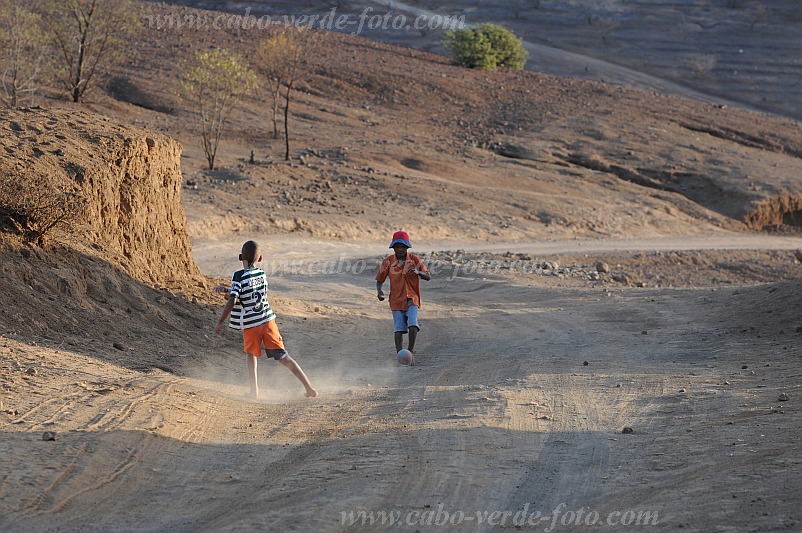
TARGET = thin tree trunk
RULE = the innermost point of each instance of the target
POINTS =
(276, 100)
(287, 124)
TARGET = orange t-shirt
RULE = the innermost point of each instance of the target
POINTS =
(403, 283)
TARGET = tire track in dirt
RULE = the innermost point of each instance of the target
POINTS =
(94, 471)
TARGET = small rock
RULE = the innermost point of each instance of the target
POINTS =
(119, 346)
(644, 332)
(48, 435)
(627, 429)
(682, 390)
(783, 398)
(585, 363)
(744, 367)
(602, 267)
(799, 329)
(31, 371)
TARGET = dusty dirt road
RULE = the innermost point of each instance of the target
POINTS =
(513, 417)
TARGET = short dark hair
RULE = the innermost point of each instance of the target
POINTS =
(250, 252)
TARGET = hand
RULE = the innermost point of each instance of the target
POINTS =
(380, 296)
(221, 289)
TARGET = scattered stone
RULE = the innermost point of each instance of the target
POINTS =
(744, 367)
(644, 332)
(798, 255)
(585, 363)
(31, 371)
(627, 429)
(119, 346)
(602, 267)
(682, 391)
(48, 436)
(783, 397)
(799, 329)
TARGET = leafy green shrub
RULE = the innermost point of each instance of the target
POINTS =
(487, 47)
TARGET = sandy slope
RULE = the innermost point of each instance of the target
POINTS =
(500, 414)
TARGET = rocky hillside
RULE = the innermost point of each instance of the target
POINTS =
(379, 129)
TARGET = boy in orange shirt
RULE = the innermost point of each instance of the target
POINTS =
(404, 270)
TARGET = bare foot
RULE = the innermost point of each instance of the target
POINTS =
(310, 393)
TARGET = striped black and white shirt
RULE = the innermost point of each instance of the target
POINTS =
(251, 309)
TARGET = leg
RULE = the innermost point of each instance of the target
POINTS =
(413, 335)
(399, 328)
(399, 340)
(414, 327)
(290, 363)
(252, 376)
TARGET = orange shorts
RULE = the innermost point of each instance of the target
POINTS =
(265, 334)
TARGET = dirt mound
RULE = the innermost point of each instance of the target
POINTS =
(109, 282)
(130, 180)
(765, 311)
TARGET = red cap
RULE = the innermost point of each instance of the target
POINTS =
(401, 237)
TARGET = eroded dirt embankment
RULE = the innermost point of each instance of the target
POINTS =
(123, 267)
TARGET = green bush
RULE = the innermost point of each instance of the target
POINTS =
(487, 47)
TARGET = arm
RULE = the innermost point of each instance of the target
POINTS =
(379, 291)
(425, 276)
(421, 271)
(224, 315)
(381, 276)
(221, 289)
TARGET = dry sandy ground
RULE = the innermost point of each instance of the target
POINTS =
(524, 384)
(530, 363)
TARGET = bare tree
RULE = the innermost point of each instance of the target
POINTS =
(36, 206)
(22, 44)
(214, 85)
(757, 16)
(91, 36)
(606, 27)
(272, 63)
(288, 50)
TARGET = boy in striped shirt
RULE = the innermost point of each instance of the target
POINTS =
(250, 312)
